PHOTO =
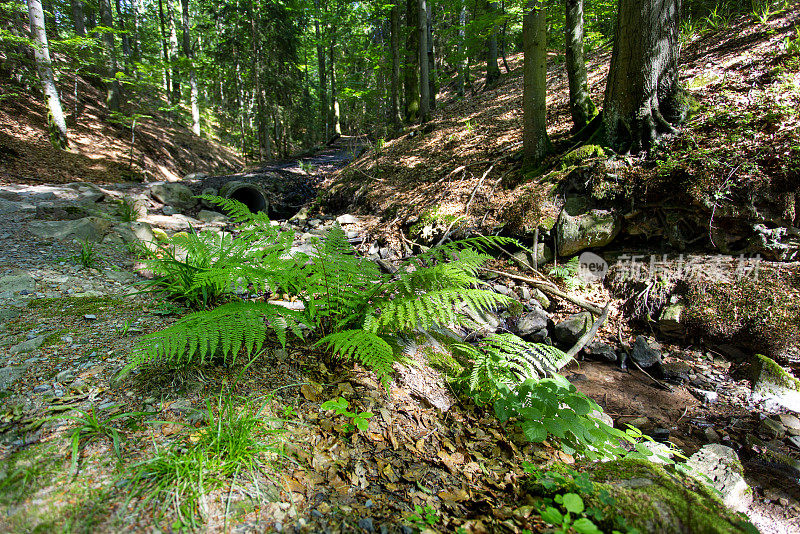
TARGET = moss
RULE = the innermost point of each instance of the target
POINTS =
(580, 155)
(765, 369)
(652, 499)
(56, 307)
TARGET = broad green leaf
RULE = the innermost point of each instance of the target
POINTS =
(573, 503)
(552, 516)
(585, 526)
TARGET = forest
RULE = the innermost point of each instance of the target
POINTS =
(432, 266)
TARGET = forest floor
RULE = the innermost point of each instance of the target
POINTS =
(429, 460)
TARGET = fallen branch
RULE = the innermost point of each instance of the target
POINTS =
(552, 290)
(475, 189)
(659, 383)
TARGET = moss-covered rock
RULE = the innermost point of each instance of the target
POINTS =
(771, 380)
(650, 498)
(581, 155)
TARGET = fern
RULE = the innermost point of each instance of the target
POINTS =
(367, 347)
(505, 359)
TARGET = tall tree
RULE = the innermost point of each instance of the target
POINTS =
(643, 98)
(431, 56)
(324, 112)
(535, 142)
(581, 106)
(412, 61)
(56, 124)
(112, 85)
(78, 18)
(462, 66)
(492, 70)
(394, 98)
(424, 87)
(165, 49)
(175, 97)
(187, 52)
(126, 43)
(336, 119)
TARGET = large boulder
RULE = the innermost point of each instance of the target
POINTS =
(173, 194)
(772, 382)
(719, 467)
(669, 322)
(579, 227)
(533, 325)
(525, 259)
(87, 228)
(646, 352)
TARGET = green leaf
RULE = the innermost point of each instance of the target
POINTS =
(552, 516)
(585, 526)
(534, 431)
(339, 405)
(573, 503)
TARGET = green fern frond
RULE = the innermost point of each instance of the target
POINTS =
(508, 360)
(367, 347)
(227, 329)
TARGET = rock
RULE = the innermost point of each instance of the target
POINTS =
(208, 191)
(41, 388)
(366, 523)
(571, 329)
(173, 194)
(88, 228)
(711, 435)
(15, 282)
(69, 211)
(661, 452)
(771, 429)
(135, 231)
(65, 377)
(208, 216)
(10, 374)
(669, 322)
(168, 210)
(601, 416)
(539, 296)
(602, 352)
(533, 324)
(646, 352)
(27, 346)
(676, 372)
(579, 228)
(486, 322)
(705, 396)
(721, 466)
(771, 381)
(790, 422)
(794, 441)
(523, 258)
(346, 219)
(7, 206)
(193, 176)
(175, 223)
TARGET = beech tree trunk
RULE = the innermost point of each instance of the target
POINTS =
(336, 119)
(56, 124)
(492, 70)
(535, 142)
(78, 18)
(461, 53)
(581, 106)
(643, 98)
(412, 62)
(424, 86)
(187, 52)
(175, 97)
(431, 59)
(323, 76)
(126, 43)
(112, 85)
(394, 98)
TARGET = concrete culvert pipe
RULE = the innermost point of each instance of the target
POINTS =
(251, 195)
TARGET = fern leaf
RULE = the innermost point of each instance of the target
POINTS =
(367, 347)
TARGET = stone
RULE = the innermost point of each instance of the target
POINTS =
(526, 259)
(41, 388)
(669, 322)
(208, 191)
(486, 322)
(10, 374)
(790, 422)
(15, 282)
(601, 416)
(346, 219)
(711, 435)
(366, 523)
(705, 396)
(676, 372)
(208, 216)
(135, 231)
(7, 206)
(661, 452)
(65, 377)
(579, 228)
(68, 211)
(168, 210)
(571, 329)
(173, 194)
(646, 352)
(175, 223)
(27, 346)
(794, 441)
(771, 429)
(602, 352)
(87, 228)
(771, 381)
(539, 296)
(723, 472)
(533, 324)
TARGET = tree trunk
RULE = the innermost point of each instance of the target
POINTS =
(323, 77)
(336, 119)
(137, 22)
(165, 49)
(424, 87)
(394, 99)
(643, 98)
(112, 86)
(78, 18)
(461, 51)
(431, 58)
(187, 52)
(535, 142)
(412, 62)
(126, 43)
(56, 124)
(492, 70)
(580, 101)
(175, 97)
